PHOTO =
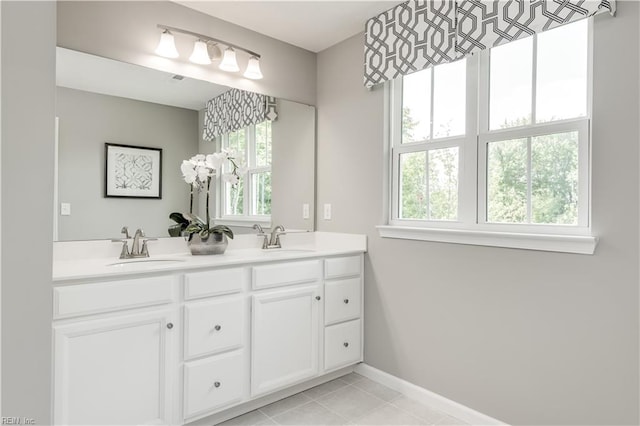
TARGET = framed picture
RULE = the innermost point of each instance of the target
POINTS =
(133, 171)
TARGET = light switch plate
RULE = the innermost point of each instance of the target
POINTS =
(65, 209)
(305, 211)
(327, 212)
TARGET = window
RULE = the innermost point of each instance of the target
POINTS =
(496, 144)
(251, 199)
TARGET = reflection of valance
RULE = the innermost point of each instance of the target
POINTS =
(236, 109)
(415, 35)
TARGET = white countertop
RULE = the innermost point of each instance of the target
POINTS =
(99, 259)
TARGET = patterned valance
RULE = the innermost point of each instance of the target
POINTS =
(415, 35)
(236, 109)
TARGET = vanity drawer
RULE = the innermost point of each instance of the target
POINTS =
(213, 383)
(342, 344)
(213, 326)
(342, 300)
(213, 283)
(94, 298)
(288, 273)
(342, 267)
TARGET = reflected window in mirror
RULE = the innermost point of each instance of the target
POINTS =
(251, 198)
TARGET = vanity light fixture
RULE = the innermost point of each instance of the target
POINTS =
(200, 53)
(253, 69)
(229, 62)
(167, 45)
(207, 49)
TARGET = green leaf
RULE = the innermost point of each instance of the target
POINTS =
(179, 218)
(222, 229)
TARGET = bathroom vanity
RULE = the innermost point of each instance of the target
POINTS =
(175, 338)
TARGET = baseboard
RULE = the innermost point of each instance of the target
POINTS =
(432, 399)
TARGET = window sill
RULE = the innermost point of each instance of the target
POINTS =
(545, 242)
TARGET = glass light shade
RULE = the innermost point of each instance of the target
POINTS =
(167, 46)
(253, 69)
(229, 62)
(214, 52)
(200, 53)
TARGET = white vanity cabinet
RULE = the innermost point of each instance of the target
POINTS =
(343, 311)
(179, 346)
(115, 368)
(215, 333)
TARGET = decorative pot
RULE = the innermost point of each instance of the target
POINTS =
(214, 244)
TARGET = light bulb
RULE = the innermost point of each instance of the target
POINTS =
(167, 46)
(200, 53)
(253, 69)
(229, 62)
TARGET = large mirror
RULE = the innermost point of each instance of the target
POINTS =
(102, 101)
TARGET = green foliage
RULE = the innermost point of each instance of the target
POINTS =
(440, 199)
(554, 180)
(199, 226)
(181, 224)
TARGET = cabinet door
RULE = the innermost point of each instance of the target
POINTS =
(284, 346)
(114, 371)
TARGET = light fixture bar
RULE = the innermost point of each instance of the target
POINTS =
(207, 38)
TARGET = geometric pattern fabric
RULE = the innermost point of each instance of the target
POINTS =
(236, 109)
(415, 35)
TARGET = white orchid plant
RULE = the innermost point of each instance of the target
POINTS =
(198, 172)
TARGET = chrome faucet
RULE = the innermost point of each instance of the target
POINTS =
(265, 241)
(275, 237)
(273, 241)
(135, 247)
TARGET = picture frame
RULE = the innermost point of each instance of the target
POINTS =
(132, 171)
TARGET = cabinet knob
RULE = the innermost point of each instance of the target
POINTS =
(346, 344)
(216, 384)
(346, 301)
(318, 297)
(170, 325)
(217, 327)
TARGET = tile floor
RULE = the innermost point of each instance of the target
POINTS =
(349, 400)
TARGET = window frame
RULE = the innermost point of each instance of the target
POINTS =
(247, 219)
(472, 226)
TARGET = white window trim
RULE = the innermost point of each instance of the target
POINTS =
(471, 229)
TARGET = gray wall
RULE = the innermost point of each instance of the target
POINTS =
(87, 121)
(527, 337)
(28, 102)
(127, 31)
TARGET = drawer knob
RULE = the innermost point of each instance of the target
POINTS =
(346, 301)
(346, 344)
(318, 297)
(170, 325)
(216, 384)
(217, 327)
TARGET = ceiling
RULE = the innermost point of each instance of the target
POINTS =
(81, 71)
(311, 25)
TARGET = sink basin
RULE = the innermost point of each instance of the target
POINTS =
(144, 262)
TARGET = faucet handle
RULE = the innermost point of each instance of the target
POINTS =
(124, 253)
(125, 231)
(258, 228)
(145, 249)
